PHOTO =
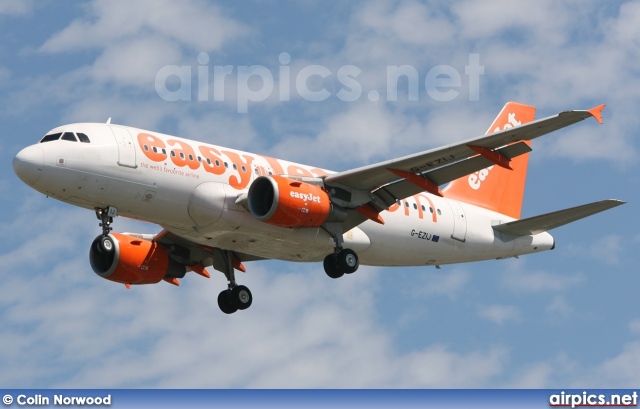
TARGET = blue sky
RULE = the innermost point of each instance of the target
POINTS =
(569, 317)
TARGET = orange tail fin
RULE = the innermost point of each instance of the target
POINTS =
(497, 188)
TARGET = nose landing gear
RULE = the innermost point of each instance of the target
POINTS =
(106, 215)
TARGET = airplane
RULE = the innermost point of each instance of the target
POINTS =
(220, 207)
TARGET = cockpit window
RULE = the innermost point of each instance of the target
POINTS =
(83, 137)
(51, 137)
(69, 136)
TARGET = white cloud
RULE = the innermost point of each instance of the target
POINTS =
(407, 23)
(634, 326)
(303, 330)
(136, 61)
(517, 279)
(196, 24)
(363, 131)
(621, 371)
(578, 143)
(5, 76)
(499, 314)
(606, 249)
(15, 7)
(543, 21)
(231, 130)
(559, 308)
(533, 376)
(436, 282)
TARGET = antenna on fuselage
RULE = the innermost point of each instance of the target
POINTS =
(108, 121)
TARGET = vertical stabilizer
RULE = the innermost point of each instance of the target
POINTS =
(497, 188)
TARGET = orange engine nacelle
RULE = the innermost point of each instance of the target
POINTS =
(131, 260)
(286, 202)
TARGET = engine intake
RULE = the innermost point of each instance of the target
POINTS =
(287, 202)
(132, 260)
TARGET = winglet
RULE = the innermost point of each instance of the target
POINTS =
(596, 112)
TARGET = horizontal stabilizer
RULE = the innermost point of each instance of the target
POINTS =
(545, 222)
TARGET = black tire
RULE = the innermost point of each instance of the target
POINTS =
(224, 302)
(348, 261)
(107, 245)
(331, 267)
(241, 297)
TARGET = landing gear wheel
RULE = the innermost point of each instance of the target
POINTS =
(331, 266)
(106, 244)
(224, 302)
(347, 261)
(241, 297)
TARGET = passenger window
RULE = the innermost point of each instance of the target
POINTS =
(69, 136)
(83, 137)
(51, 137)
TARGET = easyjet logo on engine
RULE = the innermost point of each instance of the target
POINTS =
(476, 178)
(306, 197)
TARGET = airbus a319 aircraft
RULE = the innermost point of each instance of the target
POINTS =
(221, 207)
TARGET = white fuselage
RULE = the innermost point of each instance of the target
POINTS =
(196, 198)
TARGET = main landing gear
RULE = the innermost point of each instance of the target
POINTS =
(106, 215)
(236, 297)
(342, 261)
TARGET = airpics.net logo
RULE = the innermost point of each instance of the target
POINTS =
(314, 83)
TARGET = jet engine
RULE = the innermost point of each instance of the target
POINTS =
(287, 202)
(130, 260)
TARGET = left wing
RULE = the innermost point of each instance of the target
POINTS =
(383, 183)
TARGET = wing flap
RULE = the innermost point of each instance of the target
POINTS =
(545, 222)
(404, 188)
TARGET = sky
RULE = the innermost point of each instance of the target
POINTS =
(563, 318)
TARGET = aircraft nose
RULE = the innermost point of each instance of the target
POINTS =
(28, 164)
